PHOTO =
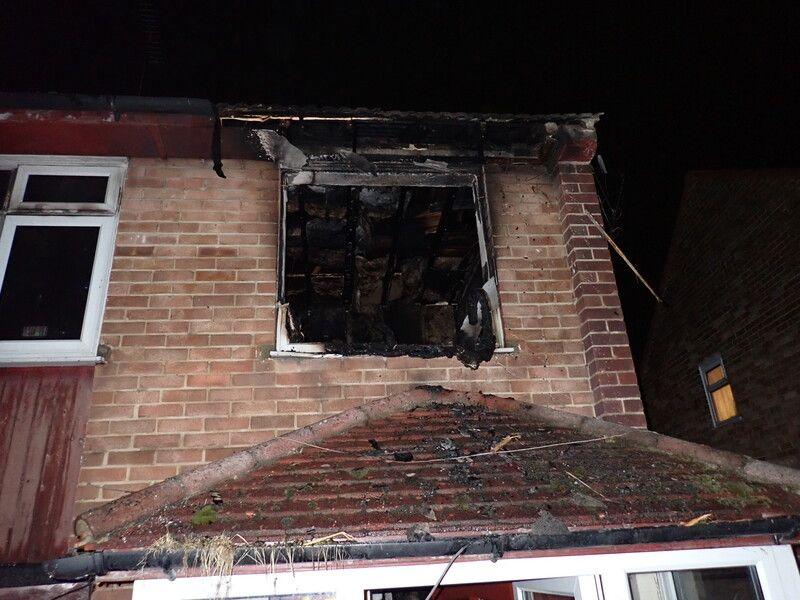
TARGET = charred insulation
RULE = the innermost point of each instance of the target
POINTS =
(387, 270)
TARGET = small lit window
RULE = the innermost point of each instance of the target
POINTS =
(56, 244)
(719, 392)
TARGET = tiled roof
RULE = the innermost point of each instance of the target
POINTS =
(409, 469)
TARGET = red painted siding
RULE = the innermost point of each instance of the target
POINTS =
(43, 413)
(476, 591)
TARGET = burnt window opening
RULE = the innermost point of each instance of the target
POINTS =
(387, 270)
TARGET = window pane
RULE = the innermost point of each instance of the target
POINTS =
(46, 284)
(724, 404)
(66, 188)
(702, 584)
(716, 584)
(714, 375)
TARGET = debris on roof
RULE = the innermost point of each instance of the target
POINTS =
(479, 466)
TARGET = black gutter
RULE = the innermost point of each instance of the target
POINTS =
(119, 104)
(88, 564)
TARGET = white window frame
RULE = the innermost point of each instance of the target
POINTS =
(474, 180)
(104, 216)
(600, 576)
(114, 174)
(584, 587)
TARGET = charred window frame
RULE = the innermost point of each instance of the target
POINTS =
(58, 220)
(453, 181)
(718, 391)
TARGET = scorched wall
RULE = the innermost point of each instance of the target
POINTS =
(191, 307)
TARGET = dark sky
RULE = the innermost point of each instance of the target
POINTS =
(681, 86)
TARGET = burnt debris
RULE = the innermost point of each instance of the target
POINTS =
(387, 270)
(475, 340)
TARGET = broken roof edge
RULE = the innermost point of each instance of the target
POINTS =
(258, 112)
(93, 524)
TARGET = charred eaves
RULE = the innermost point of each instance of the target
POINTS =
(320, 131)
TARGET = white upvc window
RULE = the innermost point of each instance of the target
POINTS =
(57, 228)
(763, 572)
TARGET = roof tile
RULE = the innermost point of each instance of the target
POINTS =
(355, 483)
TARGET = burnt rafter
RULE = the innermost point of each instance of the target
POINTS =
(351, 245)
(436, 243)
(325, 131)
(303, 216)
(470, 264)
(391, 263)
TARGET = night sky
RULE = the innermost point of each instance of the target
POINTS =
(681, 89)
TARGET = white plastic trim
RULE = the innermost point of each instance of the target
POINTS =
(301, 354)
(12, 161)
(115, 175)
(775, 565)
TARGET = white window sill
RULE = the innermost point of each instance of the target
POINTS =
(293, 354)
(51, 361)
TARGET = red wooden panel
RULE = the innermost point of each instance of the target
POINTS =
(476, 591)
(43, 413)
(133, 134)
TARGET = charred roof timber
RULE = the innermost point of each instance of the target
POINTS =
(318, 132)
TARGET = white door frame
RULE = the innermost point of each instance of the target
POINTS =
(775, 565)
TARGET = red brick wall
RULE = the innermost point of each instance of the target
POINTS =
(731, 285)
(192, 298)
(608, 354)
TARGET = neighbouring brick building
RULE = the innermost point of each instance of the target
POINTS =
(732, 294)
